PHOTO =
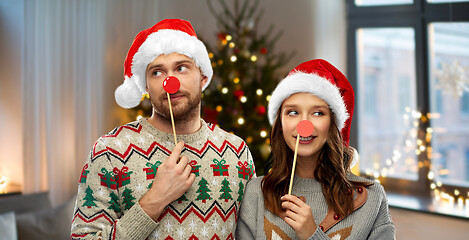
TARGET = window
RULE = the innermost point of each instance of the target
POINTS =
(408, 62)
(381, 2)
(465, 103)
(467, 164)
(387, 83)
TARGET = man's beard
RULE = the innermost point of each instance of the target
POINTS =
(181, 112)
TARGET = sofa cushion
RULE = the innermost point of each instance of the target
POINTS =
(46, 224)
(24, 203)
(8, 226)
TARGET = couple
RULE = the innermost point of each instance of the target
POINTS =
(139, 184)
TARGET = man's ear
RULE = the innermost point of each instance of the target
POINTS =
(203, 81)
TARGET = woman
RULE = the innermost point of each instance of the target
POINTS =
(327, 201)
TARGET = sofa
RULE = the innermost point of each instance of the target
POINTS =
(31, 216)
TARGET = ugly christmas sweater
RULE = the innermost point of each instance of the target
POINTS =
(370, 219)
(121, 168)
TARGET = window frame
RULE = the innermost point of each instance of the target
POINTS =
(418, 16)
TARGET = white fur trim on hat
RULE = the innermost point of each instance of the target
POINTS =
(310, 83)
(167, 41)
(128, 94)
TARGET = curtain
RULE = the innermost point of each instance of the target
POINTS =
(72, 63)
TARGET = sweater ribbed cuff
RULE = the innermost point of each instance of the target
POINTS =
(319, 235)
(136, 224)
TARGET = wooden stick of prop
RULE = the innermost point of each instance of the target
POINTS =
(172, 119)
(294, 163)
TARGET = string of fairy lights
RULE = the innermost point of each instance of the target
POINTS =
(418, 140)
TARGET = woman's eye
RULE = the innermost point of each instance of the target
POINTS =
(318, 113)
(292, 113)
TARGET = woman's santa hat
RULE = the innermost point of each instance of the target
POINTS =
(165, 37)
(323, 80)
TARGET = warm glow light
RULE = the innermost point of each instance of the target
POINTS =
(253, 58)
(416, 114)
(139, 117)
(259, 92)
(456, 192)
(231, 45)
(243, 99)
(433, 186)
(376, 165)
(431, 175)
(444, 172)
(433, 115)
(219, 108)
(240, 121)
(233, 58)
(224, 90)
(263, 133)
(388, 162)
(3, 183)
(267, 98)
(210, 55)
(236, 80)
(228, 37)
(220, 62)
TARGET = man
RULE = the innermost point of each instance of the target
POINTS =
(136, 183)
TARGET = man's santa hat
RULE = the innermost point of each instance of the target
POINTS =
(165, 37)
(323, 80)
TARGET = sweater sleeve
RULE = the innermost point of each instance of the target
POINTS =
(98, 213)
(319, 235)
(383, 228)
(246, 227)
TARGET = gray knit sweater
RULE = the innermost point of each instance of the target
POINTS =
(370, 220)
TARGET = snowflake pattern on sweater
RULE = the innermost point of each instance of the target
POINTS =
(122, 166)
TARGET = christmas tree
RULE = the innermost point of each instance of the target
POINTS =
(245, 73)
(114, 203)
(182, 198)
(240, 192)
(128, 199)
(225, 189)
(89, 199)
(203, 190)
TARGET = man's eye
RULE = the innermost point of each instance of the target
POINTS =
(182, 68)
(157, 73)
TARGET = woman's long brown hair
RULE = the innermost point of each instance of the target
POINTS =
(334, 162)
